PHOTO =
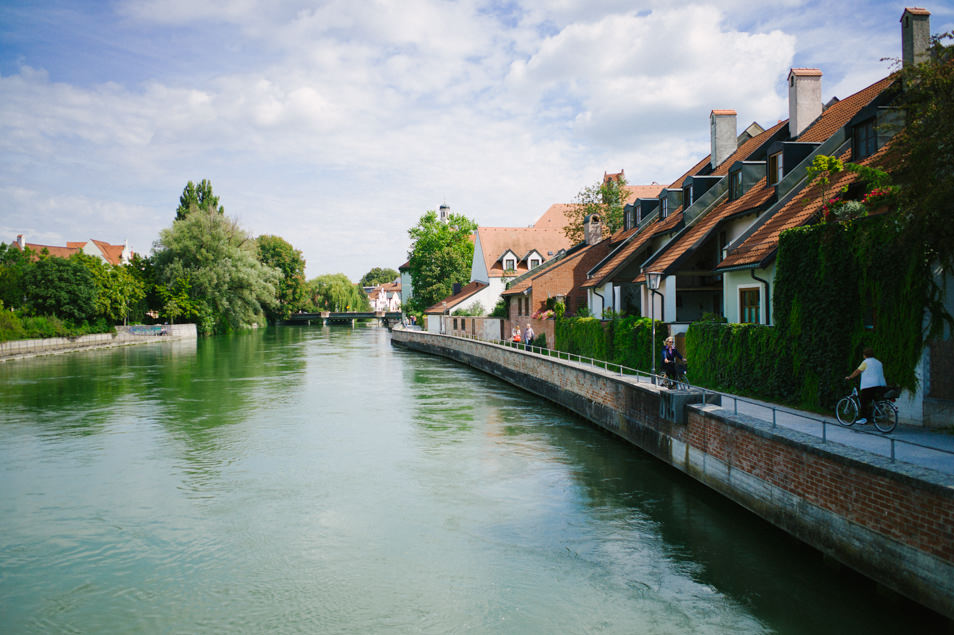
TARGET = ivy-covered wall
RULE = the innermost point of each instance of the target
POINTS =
(623, 341)
(839, 287)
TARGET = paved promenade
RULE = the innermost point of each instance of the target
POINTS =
(912, 445)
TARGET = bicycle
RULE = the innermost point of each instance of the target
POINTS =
(884, 414)
(681, 382)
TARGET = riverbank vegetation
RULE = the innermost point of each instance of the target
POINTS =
(203, 268)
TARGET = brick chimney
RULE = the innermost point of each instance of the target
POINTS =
(915, 35)
(725, 140)
(804, 99)
(592, 229)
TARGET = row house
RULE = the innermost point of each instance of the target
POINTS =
(711, 235)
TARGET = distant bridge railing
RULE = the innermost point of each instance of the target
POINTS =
(387, 317)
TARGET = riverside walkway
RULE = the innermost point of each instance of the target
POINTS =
(907, 444)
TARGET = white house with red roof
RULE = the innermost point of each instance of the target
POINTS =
(112, 254)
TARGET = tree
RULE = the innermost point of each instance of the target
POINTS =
(605, 199)
(14, 265)
(62, 287)
(922, 159)
(228, 285)
(378, 276)
(118, 289)
(441, 255)
(274, 251)
(198, 197)
(335, 292)
(924, 151)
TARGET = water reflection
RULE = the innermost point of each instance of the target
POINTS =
(647, 527)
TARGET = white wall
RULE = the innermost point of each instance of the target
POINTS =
(733, 281)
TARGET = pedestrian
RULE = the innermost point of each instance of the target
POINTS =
(515, 335)
(528, 335)
(873, 384)
(670, 358)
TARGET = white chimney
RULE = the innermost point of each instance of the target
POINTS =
(725, 140)
(444, 212)
(804, 99)
(592, 229)
(20, 242)
(915, 35)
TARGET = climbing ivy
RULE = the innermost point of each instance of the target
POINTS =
(621, 340)
(840, 287)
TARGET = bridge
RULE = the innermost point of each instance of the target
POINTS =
(384, 318)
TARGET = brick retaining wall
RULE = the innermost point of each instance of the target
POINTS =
(890, 521)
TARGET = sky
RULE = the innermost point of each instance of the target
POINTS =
(337, 124)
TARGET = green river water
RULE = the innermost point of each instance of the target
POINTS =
(317, 480)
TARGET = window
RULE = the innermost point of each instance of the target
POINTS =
(510, 264)
(664, 207)
(534, 262)
(687, 195)
(775, 168)
(735, 185)
(749, 306)
(864, 142)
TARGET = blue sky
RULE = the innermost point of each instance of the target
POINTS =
(337, 124)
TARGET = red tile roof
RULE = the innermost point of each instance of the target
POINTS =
(450, 302)
(496, 241)
(761, 246)
(840, 113)
(693, 238)
(554, 217)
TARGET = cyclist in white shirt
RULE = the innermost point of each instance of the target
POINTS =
(873, 384)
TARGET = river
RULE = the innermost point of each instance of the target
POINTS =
(317, 480)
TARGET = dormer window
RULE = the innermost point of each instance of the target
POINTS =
(864, 142)
(735, 185)
(664, 207)
(533, 263)
(687, 195)
(510, 264)
(775, 168)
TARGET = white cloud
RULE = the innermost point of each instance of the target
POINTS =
(336, 126)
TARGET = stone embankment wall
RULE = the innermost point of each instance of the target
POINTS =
(124, 336)
(890, 521)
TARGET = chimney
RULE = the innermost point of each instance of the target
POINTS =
(445, 212)
(725, 140)
(592, 229)
(20, 242)
(804, 99)
(915, 36)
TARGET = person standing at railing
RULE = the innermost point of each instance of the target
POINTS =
(528, 335)
(873, 384)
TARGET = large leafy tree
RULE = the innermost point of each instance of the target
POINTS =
(335, 292)
(378, 275)
(441, 255)
(276, 252)
(14, 265)
(63, 287)
(217, 259)
(198, 197)
(118, 288)
(922, 166)
(924, 151)
(605, 198)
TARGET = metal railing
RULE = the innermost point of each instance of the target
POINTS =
(775, 410)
